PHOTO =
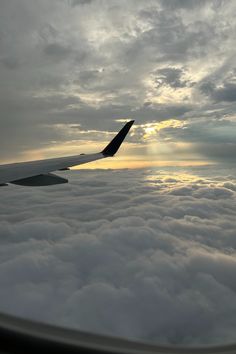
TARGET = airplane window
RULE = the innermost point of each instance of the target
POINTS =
(117, 176)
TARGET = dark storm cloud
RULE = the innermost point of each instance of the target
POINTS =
(137, 254)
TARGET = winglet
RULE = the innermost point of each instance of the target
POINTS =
(116, 142)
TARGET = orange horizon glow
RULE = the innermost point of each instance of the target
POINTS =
(116, 162)
(137, 164)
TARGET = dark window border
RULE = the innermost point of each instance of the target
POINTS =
(18, 335)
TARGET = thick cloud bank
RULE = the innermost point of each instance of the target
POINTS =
(141, 254)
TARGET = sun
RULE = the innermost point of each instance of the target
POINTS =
(150, 130)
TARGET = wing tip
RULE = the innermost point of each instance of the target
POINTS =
(116, 142)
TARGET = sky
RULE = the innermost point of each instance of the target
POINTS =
(145, 254)
(141, 245)
(73, 71)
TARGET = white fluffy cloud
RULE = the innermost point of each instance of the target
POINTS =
(137, 254)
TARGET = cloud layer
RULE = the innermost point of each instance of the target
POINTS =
(146, 254)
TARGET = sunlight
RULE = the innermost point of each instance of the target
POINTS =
(137, 164)
(151, 129)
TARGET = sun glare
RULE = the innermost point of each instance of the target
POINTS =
(151, 129)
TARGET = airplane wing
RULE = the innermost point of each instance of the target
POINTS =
(38, 173)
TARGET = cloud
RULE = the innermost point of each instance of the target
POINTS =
(9, 62)
(185, 4)
(135, 254)
(143, 254)
(58, 52)
(225, 93)
(81, 2)
(171, 77)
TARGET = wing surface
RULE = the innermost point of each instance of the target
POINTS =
(38, 172)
